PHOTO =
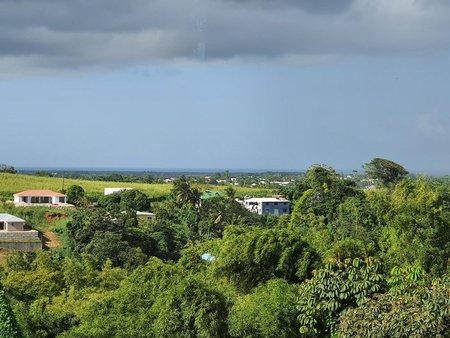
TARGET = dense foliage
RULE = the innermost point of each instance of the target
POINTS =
(76, 195)
(347, 262)
(8, 324)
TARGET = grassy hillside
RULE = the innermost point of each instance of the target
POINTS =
(12, 183)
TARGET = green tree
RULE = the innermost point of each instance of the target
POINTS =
(415, 309)
(190, 308)
(43, 279)
(385, 170)
(161, 239)
(85, 223)
(134, 200)
(327, 190)
(417, 227)
(184, 193)
(76, 195)
(8, 324)
(106, 245)
(215, 214)
(337, 287)
(268, 311)
(126, 200)
(249, 256)
(126, 311)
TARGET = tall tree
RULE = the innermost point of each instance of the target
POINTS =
(75, 195)
(184, 193)
(327, 189)
(385, 170)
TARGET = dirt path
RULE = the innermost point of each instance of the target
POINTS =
(3, 254)
(50, 239)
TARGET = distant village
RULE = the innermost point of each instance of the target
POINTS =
(16, 234)
(267, 179)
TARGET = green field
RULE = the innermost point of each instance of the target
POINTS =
(12, 183)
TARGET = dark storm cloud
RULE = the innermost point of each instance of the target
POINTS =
(51, 34)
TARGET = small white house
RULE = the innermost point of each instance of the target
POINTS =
(11, 223)
(30, 197)
(14, 235)
(267, 205)
(110, 191)
(144, 215)
(141, 215)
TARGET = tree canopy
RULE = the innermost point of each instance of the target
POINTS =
(386, 171)
(348, 262)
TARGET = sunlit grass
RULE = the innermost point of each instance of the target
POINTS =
(12, 183)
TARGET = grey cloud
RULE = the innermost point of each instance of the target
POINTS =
(313, 6)
(432, 125)
(64, 35)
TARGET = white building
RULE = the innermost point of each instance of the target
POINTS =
(144, 215)
(268, 205)
(14, 235)
(109, 191)
(11, 223)
(30, 197)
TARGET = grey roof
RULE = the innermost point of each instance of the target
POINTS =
(10, 218)
(266, 199)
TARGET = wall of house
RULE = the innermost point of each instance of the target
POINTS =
(27, 199)
(275, 208)
(55, 200)
(14, 226)
(17, 199)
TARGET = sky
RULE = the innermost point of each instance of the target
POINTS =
(227, 84)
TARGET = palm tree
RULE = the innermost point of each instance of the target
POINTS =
(184, 193)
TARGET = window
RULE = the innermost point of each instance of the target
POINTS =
(62, 200)
(2, 225)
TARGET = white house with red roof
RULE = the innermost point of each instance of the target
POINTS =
(30, 197)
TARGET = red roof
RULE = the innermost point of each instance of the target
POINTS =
(39, 193)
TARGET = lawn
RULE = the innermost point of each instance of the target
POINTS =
(12, 183)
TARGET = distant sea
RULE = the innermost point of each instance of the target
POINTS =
(153, 171)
